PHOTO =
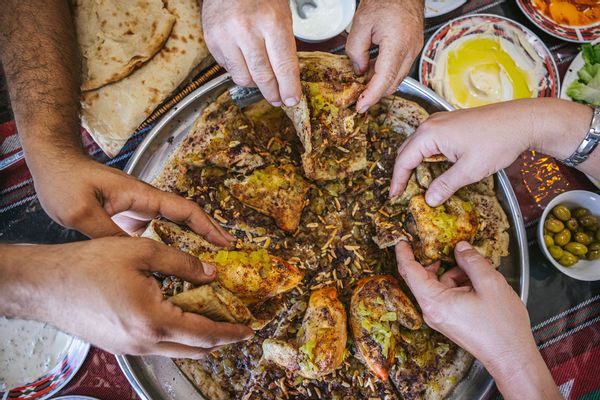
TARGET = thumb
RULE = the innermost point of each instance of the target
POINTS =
(161, 258)
(479, 270)
(445, 185)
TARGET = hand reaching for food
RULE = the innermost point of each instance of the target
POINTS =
(98, 201)
(396, 26)
(481, 141)
(254, 41)
(103, 291)
(480, 312)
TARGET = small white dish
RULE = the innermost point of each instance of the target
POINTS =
(435, 8)
(326, 21)
(583, 270)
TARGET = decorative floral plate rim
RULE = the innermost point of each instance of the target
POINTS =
(576, 34)
(551, 86)
(53, 381)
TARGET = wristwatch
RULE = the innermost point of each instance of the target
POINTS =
(588, 144)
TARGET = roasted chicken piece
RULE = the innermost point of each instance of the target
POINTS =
(332, 132)
(279, 192)
(219, 137)
(252, 276)
(217, 303)
(377, 305)
(435, 231)
(321, 342)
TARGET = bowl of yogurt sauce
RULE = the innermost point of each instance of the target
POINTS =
(36, 359)
(319, 20)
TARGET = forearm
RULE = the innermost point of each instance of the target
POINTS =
(39, 55)
(18, 287)
(524, 376)
(559, 126)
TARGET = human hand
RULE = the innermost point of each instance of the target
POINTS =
(254, 41)
(397, 27)
(475, 307)
(82, 194)
(458, 303)
(481, 141)
(103, 291)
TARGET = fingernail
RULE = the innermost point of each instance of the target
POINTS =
(208, 269)
(356, 68)
(462, 246)
(361, 108)
(291, 101)
(433, 199)
(276, 104)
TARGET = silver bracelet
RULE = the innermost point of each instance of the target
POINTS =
(589, 143)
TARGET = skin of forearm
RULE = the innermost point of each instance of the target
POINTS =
(524, 376)
(39, 54)
(19, 288)
(559, 126)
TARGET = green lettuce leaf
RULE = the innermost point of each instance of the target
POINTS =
(587, 88)
(591, 53)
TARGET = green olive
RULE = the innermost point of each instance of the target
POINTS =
(576, 248)
(594, 246)
(548, 240)
(567, 259)
(583, 238)
(580, 212)
(597, 235)
(593, 255)
(589, 222)
(563, 237)
(554, 225)
(572, 224)
(561, 212)
(555, 251)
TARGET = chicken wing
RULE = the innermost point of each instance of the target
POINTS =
(321, 342)
(377, 305)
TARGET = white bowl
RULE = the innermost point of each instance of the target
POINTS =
(583, 270)
(348, 8)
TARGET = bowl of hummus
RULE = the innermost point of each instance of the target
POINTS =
(482, 59)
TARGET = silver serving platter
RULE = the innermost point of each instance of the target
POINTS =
(158, 378)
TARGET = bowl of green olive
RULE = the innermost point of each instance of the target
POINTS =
(569, 234)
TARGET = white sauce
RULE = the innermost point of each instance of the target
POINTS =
(499, 88)
(322, 21)
(28, 350)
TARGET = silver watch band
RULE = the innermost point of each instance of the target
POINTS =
(588, 144)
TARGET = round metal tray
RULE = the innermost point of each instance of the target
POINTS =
(157, 378)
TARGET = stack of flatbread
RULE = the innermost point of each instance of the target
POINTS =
(135, 53)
